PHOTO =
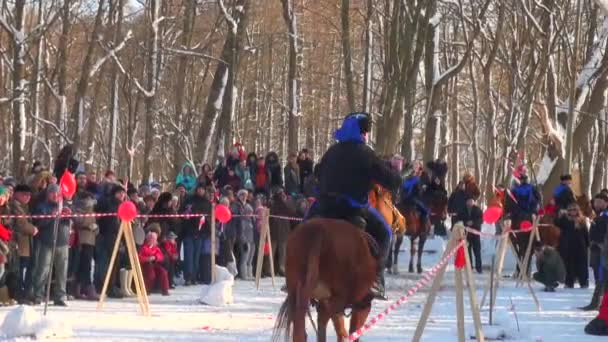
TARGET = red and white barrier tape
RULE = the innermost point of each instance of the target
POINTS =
(50, 216)
(426, 278)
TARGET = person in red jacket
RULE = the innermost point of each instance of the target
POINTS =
(151, 258)
(169, 249)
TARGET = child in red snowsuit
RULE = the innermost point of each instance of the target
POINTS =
(169, 249)
(151, 258)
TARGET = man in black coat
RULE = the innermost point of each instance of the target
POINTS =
(192, 231)
(108, 232)
(597, 235)
(472, 217)
(347, 173)
(457, 201)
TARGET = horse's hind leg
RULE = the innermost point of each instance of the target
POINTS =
(358, 318)
(412, 254)
(323, 317)
(421, 242)
(389, 260)
(341, 333)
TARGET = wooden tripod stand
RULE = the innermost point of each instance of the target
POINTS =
(126, 231)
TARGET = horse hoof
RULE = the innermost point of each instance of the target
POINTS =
(419, 269)
(395, 269)
(411, 269)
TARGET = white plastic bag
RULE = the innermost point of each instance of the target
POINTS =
(220, 292)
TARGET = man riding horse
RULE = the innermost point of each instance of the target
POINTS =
(347, 172)
(411, 194)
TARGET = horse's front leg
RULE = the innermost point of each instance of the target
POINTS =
(323, 316)
(421, 242)
(358, 317)
(412, 254)
(341, 333)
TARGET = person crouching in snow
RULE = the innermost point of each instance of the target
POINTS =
(169, 249)
(151, 258)
(550, 266)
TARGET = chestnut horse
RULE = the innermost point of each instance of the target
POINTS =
(329, 264)
(437, 203)
(382, 200)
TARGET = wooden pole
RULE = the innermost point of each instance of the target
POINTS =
(269, 241)
(426, 311)
(492, 288)
(472, 294)
(260, 260)
(459, 304)
(104, 289)
(523, 275)
(138, 278)
(133, 259)
(212, 243)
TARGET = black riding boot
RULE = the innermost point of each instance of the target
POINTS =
(378, 291)
(596, 299)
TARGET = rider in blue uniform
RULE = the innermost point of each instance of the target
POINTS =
(346, 174)
(563, 194)
(411, 195)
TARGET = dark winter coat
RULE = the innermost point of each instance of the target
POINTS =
(195, 205)
(162, 207)
(306, 167)
(574, 236)
(274, 170)
(472, 218)
(550, 266)
(457, 201)
(292, 179)
(349, 169)
(45, 225)
(108, 225)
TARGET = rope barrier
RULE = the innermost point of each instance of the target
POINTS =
(424, 281)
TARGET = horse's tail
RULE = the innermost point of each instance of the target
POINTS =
(295, 307)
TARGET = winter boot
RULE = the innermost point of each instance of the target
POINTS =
(595, 300)
(130, 283)
(250, 272)
(5, 298)
(124, 273)
(77, 291)
(378, 290)
(91, 293)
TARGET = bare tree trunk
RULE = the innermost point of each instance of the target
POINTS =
(62, 61)
(346, 54)
(180, 87)
(215, 100)
(295, 60)
(369, 47)
(19, 84)
(116, 15)
(151, 83)
(37, 82)
(77, 119)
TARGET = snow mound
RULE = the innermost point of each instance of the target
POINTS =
(220, 292)
(24, 321)
(504, 327)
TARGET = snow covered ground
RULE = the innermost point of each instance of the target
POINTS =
(181, 318)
